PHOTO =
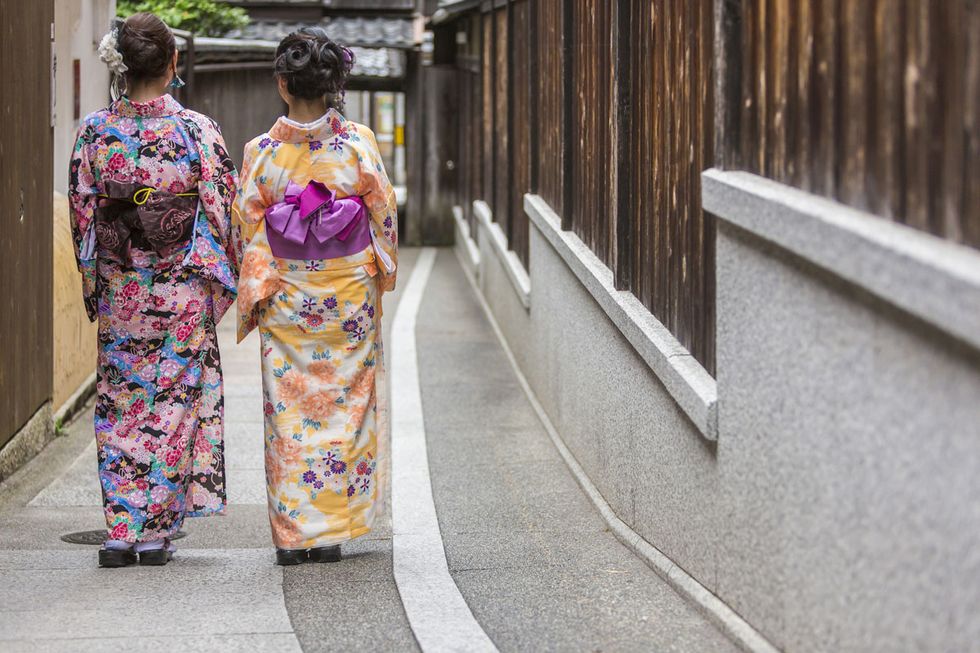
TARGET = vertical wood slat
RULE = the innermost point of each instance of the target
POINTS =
(501, 188)
(520, 128)
(550, 123)
(971, 125)
(919, 100)
(825, 118)
(659, 297)
(488, 104)
(948, 134)
(804, 90)
(886, 179)
(855, 68)
(625, 152)
(670, 141)
(591, 150)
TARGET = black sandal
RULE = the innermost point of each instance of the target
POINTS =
(325, 554)
(289, 557)
(155, 557)
(114, 558)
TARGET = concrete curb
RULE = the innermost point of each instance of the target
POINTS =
(914, 271)
(29, 440)
(439, 616)
(470, 254)
(713, 608)
(76, 402)
(691, 386)
(518, 276)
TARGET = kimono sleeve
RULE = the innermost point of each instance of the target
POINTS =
(217, 188)
(83, 198)
(249, 207)
(379, 197)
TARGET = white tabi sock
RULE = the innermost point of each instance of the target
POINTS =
(117, 545)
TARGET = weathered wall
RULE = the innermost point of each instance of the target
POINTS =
(78, 27)
(75, 338)
(838, 509)
(25, 213)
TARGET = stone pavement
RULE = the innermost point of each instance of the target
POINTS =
(528, 552)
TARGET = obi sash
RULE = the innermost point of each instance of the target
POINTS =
(311, 223)
(131, 215)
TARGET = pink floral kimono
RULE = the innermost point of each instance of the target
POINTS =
(320, 327)
(151, 188)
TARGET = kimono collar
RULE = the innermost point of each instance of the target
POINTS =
(330, 124)
(165, 105)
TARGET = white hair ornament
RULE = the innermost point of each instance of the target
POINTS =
(110, 55)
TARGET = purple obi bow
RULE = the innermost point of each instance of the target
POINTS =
(311, 223)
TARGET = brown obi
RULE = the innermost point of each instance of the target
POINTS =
(131, 215)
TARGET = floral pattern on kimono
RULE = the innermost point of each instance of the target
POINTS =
(320, 335)
(338, 152)
(159, 409)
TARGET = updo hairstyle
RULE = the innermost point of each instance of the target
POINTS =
(314, 66)
(147, 46)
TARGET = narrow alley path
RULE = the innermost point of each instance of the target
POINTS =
(528, 552)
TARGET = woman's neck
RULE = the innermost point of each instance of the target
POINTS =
(303, 111)
(146, 91)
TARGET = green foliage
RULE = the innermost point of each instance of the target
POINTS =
(203, 17)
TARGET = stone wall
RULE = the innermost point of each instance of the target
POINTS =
(836, 509)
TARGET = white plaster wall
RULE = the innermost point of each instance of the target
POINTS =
(79, 26)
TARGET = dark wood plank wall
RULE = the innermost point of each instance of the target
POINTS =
(519, 138)
(26, 217)
(243, 101)
(634, 199)
(550, 98)
(874, 103)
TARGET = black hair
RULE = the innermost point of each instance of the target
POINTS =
(314, 66)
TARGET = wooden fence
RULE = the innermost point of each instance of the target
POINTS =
(611, 110)
(26, 184)
(875, 103)
(242, 98)
(551, 73)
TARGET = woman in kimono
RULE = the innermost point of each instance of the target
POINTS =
(318, 220)
(151, 188)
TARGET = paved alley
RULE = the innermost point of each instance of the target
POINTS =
(526, 550)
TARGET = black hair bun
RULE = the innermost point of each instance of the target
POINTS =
(147, 46)
(313, 65)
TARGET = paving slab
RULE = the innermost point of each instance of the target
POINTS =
(62, 595)
(526, 547)
(223, 588)
(529, 553)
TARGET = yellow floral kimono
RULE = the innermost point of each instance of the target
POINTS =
(320, 331)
